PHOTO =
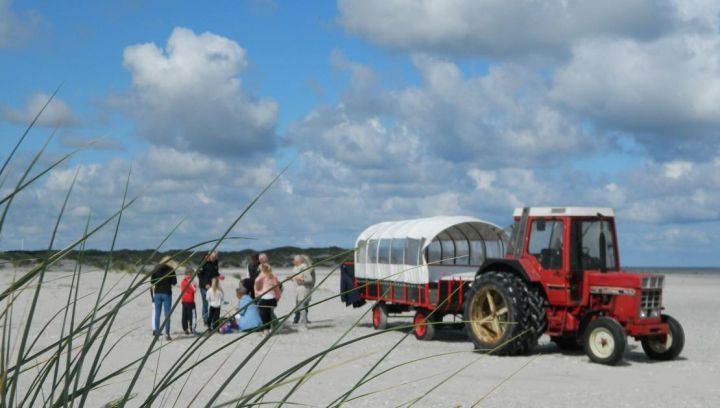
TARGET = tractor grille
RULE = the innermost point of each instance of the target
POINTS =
(650, 303)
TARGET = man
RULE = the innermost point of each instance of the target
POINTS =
(210, 269)
(253, 272)
(163, 278)
(304, 277)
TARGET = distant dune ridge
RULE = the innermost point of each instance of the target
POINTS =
(130, 259)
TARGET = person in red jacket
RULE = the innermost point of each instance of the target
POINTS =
(188, 302)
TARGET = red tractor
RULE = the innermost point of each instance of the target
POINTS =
(561, 276)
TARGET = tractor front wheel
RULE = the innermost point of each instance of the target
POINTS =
(668, 346)
(379, 316)
(605, 341)
(424, 328)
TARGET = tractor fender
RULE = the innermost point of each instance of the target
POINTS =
(504, 265)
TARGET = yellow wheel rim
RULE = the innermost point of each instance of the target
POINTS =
(489, 315)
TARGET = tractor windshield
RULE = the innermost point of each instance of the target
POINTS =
(592, 245)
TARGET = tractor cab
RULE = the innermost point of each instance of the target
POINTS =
(565, 243)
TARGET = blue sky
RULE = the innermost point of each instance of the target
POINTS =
(390, 109)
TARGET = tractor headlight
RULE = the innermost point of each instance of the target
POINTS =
(643, 314)
(654, 313)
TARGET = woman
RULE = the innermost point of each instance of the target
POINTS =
(267, 288)
(248, 317)
(163, 278)
(304, 277)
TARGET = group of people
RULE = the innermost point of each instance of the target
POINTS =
(257, 295)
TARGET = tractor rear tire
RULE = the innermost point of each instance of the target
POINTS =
(379, 316)
(667, 347)
(424, 326)
(503, 315)
(605, 341)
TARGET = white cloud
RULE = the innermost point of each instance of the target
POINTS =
(188, 96)
(169, 163)
(360, 143)
(677, 169)
(673, 192)
(665, 92)
(483, 178)
(500, 28)
(16, 29)
(502, 118)
(56, 114)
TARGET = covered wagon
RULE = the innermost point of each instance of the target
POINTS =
(423, 265)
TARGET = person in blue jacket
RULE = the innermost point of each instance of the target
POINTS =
(248, 317)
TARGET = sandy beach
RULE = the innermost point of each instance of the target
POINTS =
(548, 378)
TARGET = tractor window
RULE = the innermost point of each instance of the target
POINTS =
(593, 247)
(546, 243)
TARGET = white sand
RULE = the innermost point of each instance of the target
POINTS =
(549, 378)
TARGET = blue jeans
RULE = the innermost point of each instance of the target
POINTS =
(162, 301)
(203, 295)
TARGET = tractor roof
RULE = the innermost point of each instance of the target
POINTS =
(566, 211)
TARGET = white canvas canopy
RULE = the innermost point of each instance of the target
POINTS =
(427, 249)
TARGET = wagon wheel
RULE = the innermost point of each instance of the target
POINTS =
(379, 316)
(424, 328)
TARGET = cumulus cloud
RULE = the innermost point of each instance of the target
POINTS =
(500, 28)
(57, 113)
(188, 96)
(503, 118)
(674, 191)
(666, 93)
(16, 29)
(170, 186)
(169, 163)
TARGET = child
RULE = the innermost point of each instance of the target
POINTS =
(188, 302)
(215, 298)
(267, 288)
(248, 317)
